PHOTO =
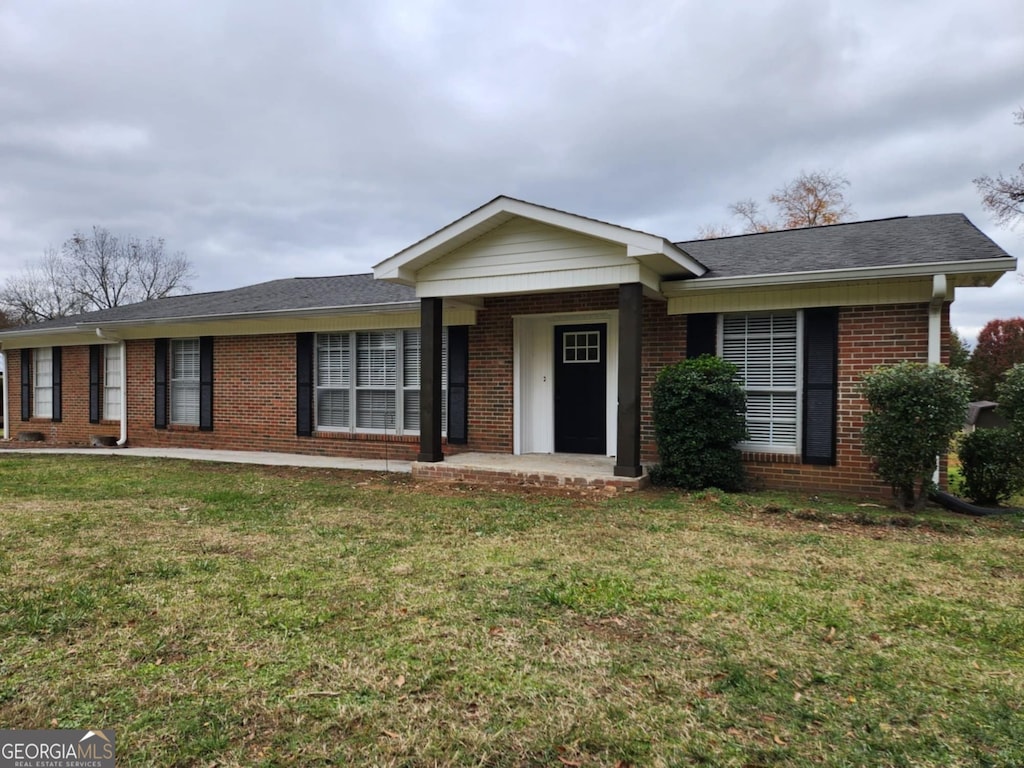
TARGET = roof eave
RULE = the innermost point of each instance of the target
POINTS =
(978, 266)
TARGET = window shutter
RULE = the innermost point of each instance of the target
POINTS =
(821, 363)
(206, 383)
(96, 352)
(701, 330)
(57, 414)
(304, 384)
(458, 384)
(160, 383)
(26, 384)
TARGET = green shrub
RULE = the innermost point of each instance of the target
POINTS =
(698, 419)
(914, 412)
(992, 461)
(1010, 394)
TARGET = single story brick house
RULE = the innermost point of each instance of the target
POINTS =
(516, 329)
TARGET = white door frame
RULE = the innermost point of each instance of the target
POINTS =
(533, 388)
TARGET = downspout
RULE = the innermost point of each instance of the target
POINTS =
(935, 319)
(939, 289)
(6, 404)
(124, 385)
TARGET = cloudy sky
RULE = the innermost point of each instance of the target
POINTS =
(269, 139)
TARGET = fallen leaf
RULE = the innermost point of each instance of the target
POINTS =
(778, 741)
(495, 630)
(575, 763)
(797, 696)
(399, 681)
(390, 734)
(831, 635)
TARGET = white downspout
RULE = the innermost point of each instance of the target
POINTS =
(939, 289)
(124, 396)
(6, 405)
(124, 384)
(935, 319)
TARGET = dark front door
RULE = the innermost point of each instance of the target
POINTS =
(580, 388)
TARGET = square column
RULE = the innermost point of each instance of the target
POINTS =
(631, 320)
(430, 380)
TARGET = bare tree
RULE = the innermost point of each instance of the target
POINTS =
(1003, 196)
(94, 272)
(810, 200)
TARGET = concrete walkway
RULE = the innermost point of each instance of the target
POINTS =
(234, 457)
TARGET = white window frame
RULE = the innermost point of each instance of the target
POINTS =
(181, 383)
(352, 378)
(42, 382)
(112, 386)
(797, 390)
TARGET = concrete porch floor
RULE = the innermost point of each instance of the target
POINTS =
(570, 470)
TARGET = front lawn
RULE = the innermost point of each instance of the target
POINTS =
(231, 615)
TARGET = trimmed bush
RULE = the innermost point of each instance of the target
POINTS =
(698, 411)
(992, 464)
(992, 460)
(1010, 394)
(914, 412)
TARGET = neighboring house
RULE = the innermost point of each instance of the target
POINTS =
(517, 329)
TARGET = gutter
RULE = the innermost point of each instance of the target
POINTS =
(680, 287)
(124, 384)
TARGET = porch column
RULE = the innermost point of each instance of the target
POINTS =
(631, 315)
(430, 381)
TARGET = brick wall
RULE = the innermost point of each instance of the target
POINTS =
(254, 390)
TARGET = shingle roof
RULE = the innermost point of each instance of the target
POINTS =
(930, 239)
(295, 293)
(883, 242)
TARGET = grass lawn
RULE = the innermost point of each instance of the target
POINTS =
(228, 615)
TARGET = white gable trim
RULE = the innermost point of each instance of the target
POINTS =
(655, 253)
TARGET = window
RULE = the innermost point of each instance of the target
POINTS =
(370, 381)
(185, 381)
(42, 373)
(581, 347)
(112, 382)
(764, 347)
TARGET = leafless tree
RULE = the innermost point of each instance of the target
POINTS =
(1003, 196)
(96, 271)
(810, 200)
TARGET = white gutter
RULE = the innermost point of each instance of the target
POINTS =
(679, 287)
(6, 404)
(124, 384)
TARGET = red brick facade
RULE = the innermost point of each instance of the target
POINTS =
(254, 392)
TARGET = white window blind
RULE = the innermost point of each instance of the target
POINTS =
(764, 348)
(370, 380)
(111, 382)
(185, 381)
(42, 406)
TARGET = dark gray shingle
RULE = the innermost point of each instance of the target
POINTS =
(937, 238)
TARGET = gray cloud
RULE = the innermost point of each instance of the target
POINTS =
(268, 139)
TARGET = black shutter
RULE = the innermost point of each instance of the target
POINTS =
(96, 352)
(58, 413)
(26, 384)
(304, 384)
(206, 383)
(159, 383)
(821, 364)
(701, 335)
(458, 384)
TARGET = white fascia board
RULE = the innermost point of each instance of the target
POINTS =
(540, 282)
(678, 287)
(403, 265)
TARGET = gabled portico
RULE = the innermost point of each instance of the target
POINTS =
(577, 373)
